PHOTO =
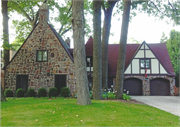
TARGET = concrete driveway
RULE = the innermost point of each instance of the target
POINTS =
(167, 103)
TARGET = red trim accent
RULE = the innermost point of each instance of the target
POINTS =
(146, 73)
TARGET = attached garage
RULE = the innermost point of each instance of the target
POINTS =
(160, 86)
(133, 86)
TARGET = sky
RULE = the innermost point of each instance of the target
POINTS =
(141, 28)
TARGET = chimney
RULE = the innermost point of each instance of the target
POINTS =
(68, 41)
(44, 13)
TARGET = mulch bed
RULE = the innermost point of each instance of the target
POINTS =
(133, 101)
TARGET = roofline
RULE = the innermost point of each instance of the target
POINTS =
(61, 43)
(134, 55)
(19, 48)
(26, 40)
(144, 42)
(158, 58)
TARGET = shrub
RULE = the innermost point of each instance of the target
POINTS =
(126, 97)
(65, 92)
(104, 95)
(8, 93)
(30, 93)
(91, 94)
(111, 95)
(42, 92)
(52, 92)
(20, 92)
(108, 95)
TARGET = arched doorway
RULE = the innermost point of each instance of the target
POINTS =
(160, 86)
(133, 86)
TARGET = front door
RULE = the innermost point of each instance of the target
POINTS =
(22, 82)
(60, 81)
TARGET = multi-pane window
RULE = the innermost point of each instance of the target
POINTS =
(145, 63)
(89, 63)
(42, 55)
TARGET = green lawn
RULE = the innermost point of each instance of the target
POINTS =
(62, 112)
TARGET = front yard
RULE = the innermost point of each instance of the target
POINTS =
(65, 112)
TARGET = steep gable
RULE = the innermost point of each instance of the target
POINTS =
(145, 60)
(40, 68)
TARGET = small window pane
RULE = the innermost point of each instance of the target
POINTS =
(142, 64)
(88, 62)
(147, 64)
(44, 55)
(39, 55)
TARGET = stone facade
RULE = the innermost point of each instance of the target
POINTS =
(146, 83)
(41, 74)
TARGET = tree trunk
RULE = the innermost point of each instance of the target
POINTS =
(83, 97)
(179, 69)
(2, 95)
(122, 50)
(105, 41)
(5, 30)
(97, 60)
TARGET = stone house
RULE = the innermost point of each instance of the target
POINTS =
(43, 60)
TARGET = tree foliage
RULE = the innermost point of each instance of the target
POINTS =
(173, 44)
(160, 8)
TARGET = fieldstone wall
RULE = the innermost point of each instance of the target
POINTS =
(146, 83)
(41, 74)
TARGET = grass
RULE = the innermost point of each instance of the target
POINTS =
(62, 112)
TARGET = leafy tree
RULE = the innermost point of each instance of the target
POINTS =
(172, 44)
(97, 60)
(122, 50)
(159, 8)
(163, 38)
(83, 97)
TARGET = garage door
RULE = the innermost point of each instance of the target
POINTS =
(160, 87)
(133, 86)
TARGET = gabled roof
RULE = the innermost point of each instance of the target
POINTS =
(64, 44)
(159, 50)
(89, 47)
(113, 51)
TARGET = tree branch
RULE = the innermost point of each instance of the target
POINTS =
(156, 7)
(66, 19)
(174, 8)
(24, 12)
(66, 31)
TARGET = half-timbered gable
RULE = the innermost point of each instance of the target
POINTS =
(145, 61)
(148, 69)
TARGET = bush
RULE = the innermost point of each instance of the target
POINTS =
(42, 92)
(52, 92)
(30, 93)
(126, 97)
(65, 92)
(91, 94)
(20, 92)
(8, 93)
(108, 95)
(104, 95)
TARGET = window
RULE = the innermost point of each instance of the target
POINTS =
(42, 55)
(145, 63)
(89, 63)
